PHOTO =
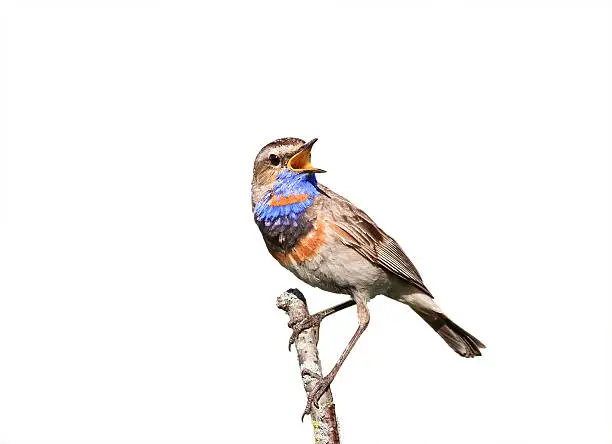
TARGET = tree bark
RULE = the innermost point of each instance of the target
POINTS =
(323, 418)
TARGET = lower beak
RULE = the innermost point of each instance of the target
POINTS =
(300, 162)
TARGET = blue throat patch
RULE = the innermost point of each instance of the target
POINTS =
(291, 194)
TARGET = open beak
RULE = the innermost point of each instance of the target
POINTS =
(300, 162)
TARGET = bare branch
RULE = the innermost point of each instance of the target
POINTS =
(323, 417)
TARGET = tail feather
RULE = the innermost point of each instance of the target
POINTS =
(456, 337)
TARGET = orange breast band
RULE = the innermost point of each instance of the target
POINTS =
(306, 248)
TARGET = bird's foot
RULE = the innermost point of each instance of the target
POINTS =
(317, 390)
(306, 323)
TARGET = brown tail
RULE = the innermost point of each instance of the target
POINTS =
(457, 338)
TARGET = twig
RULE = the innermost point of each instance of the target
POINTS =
(323, 417)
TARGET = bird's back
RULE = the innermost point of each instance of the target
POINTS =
(356, 230)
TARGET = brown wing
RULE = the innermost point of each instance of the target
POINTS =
(358, 231)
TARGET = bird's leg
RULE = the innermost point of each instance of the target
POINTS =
(315, 320)
(324, 382)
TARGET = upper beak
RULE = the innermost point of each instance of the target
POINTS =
(300, 162)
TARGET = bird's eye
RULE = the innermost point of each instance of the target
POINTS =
(274, 159)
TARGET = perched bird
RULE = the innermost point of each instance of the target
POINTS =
(329, 243)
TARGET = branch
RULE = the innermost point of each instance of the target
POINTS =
(323, 417)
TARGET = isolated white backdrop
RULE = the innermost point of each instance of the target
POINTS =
(137, 300)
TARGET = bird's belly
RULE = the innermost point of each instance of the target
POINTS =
(324, 262)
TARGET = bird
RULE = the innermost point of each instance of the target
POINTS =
(329, 243)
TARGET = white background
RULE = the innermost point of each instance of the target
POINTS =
(137, 299)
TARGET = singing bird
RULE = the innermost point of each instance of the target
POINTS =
(329, 243)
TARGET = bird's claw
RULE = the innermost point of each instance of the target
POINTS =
(322, 384)
(299, 327)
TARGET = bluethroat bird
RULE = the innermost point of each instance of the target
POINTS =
(329, 243)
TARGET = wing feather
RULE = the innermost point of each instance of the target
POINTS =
(358, 231)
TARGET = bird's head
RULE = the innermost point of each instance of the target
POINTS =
(285, 160)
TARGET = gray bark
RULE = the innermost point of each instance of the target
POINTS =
(323, 418)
